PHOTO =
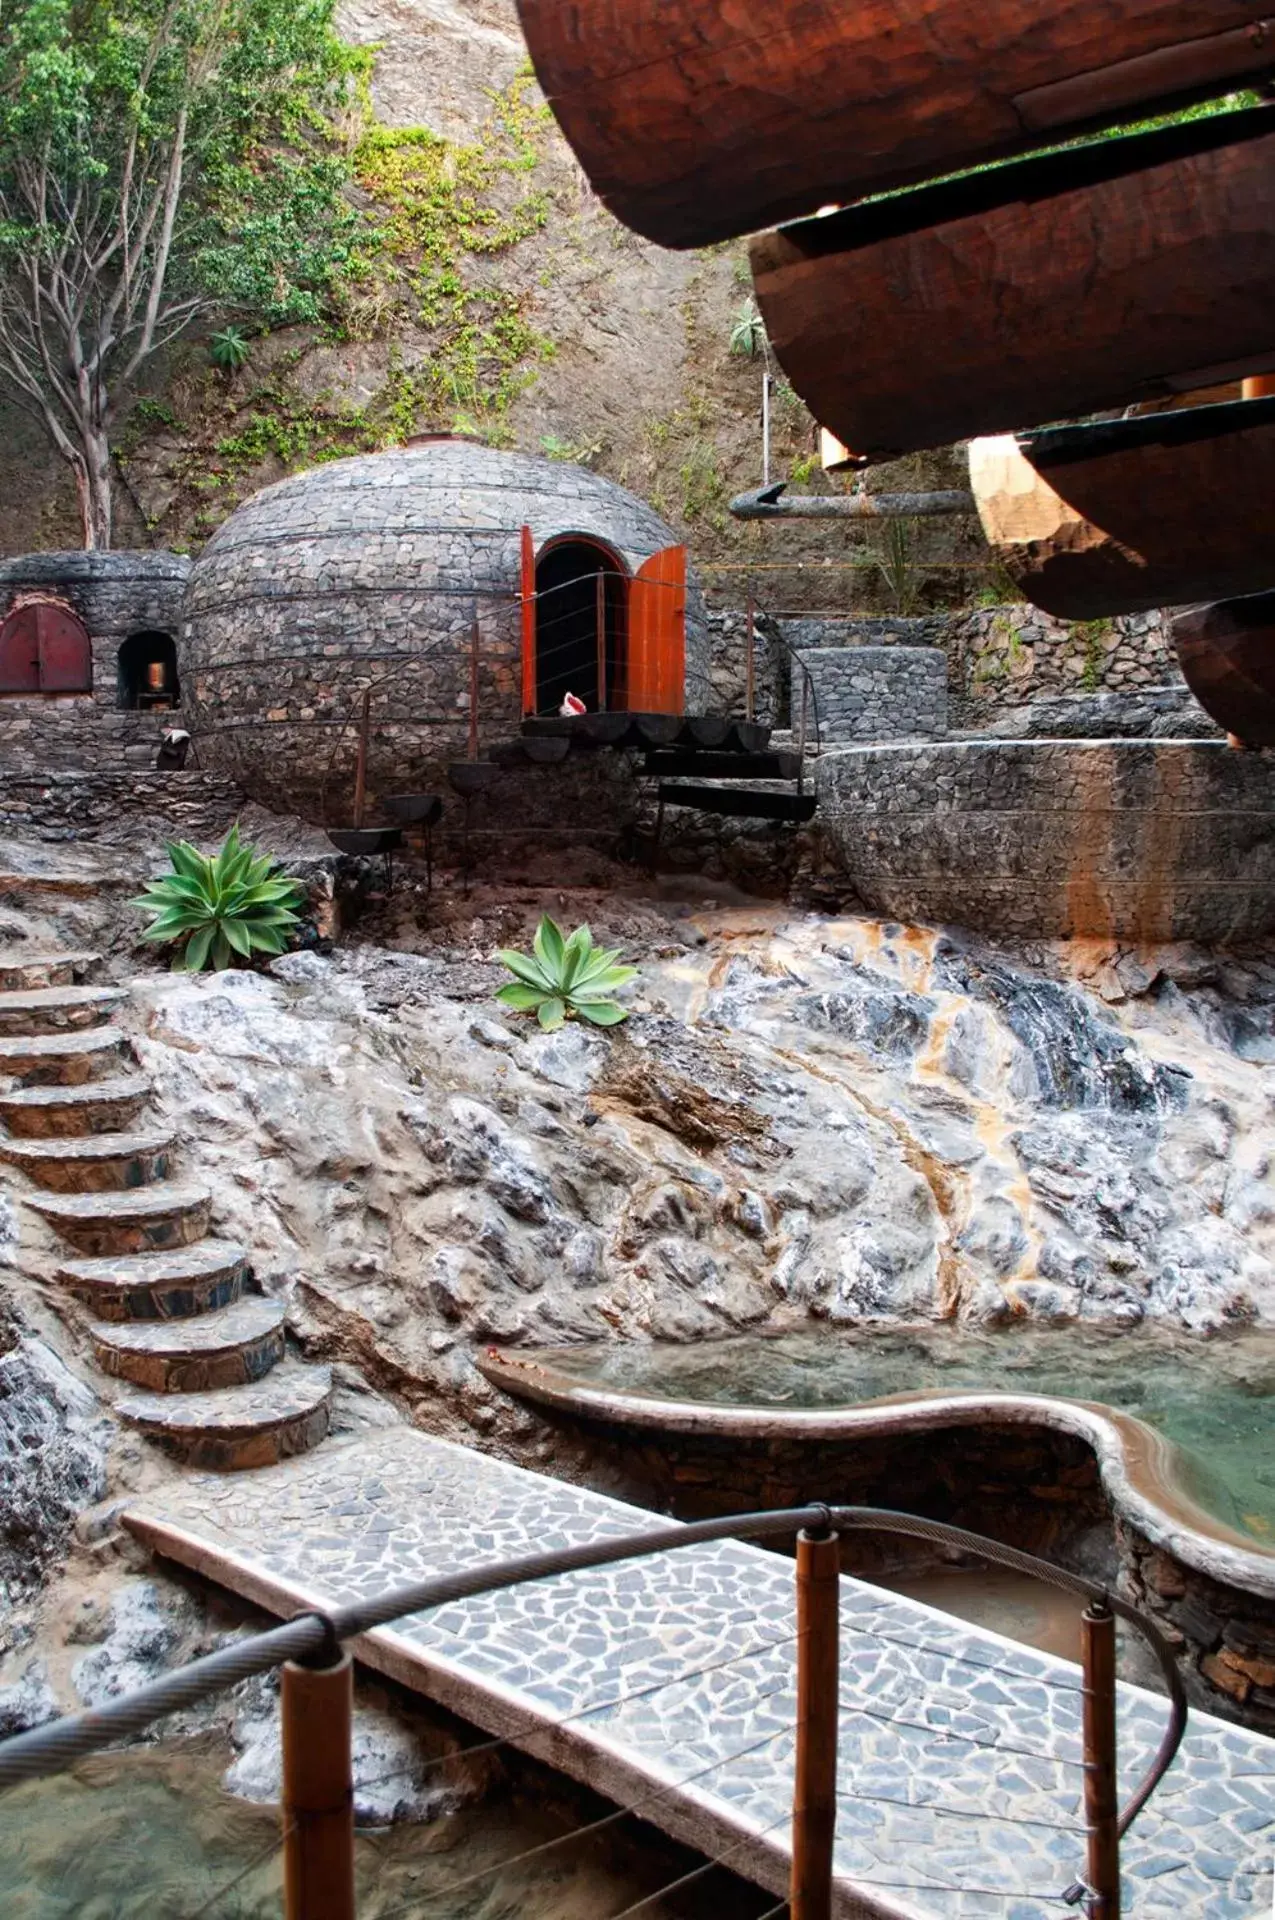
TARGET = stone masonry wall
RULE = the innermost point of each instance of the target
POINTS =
(1147, 840)
(43, 736)
(877, 693)
(1007, 656)
(119, 806)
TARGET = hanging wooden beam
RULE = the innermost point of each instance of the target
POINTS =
(1227, 655)
(1081, 280)
(769, 503)
(1129, 514)
(697, 121)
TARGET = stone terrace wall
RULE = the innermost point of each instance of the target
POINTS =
(877, 693)
(40, 736)
(1146, 840)
(119, 805)
(1011, 655)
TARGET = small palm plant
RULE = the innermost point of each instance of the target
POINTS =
(228, 349)
(565, 976)
(222, 905)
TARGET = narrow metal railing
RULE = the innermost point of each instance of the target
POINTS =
(317, 1801)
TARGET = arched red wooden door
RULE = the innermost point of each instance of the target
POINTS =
(44, 648)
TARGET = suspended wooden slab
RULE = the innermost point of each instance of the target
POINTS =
(1150, 512)
(697, 121)
(1227, 654)
(1058, 286)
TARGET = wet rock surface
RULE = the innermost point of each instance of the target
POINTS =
(805, 1119)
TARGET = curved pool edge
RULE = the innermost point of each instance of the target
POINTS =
(1135, 1462)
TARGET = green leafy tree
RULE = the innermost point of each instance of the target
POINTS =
(160, 161)
(565, 976)
(214, 907)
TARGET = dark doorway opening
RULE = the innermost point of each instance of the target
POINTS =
(148, 671)
(571, 655)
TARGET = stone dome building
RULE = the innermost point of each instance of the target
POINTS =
(410, 575)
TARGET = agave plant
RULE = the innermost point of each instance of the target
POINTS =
(565, 976)
(228, 349)
(222, 905)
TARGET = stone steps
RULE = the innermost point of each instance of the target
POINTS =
(238, 1427)
(97, 1163)
(169, 1285)
(21, 972)
(58, 1009)
(145, 1220)
(63, 1059)
(229, 1348)
(59, 1113)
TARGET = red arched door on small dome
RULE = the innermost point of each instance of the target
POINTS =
(44, 648)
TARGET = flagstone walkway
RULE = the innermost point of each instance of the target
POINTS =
(960, 1788)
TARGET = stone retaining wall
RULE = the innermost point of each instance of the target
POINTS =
(876, 693)
(119, 806)
(1145, 840)
(1149, 713)
(1010, 655)
(71, 733)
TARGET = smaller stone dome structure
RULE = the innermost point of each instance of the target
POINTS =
(406, 575)
(91, 624)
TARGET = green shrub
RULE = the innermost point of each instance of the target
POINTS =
(565, 977)
(220, 906)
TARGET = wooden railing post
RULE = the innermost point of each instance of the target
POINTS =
(814, 1800)
(318, 1791)
(473, 689)
(748, 660)
(602, 642)
(360, 765)
(1098, 1654)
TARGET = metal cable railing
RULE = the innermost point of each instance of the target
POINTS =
(310, 1650)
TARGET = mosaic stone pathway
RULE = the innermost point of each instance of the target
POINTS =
(959, 1776)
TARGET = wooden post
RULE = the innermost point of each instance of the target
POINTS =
(318, 1792)
(360, 767)
(748, 660)
(801, 731)
(1098, 1653)
(814, 1799)
(473, 691)
(602, 642)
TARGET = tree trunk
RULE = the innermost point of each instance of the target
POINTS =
(93, 486)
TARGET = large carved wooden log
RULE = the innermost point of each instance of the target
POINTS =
(1059, 286)
(697, 120)
(1150, 512)
(1227, 652)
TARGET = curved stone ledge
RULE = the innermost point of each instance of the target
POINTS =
(1136, 1464)
(1128, 839)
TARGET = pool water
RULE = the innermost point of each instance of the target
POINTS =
(1215, 1399)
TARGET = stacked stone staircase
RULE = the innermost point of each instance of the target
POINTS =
(171, 1316)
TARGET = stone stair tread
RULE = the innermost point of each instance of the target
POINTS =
(93, 1093)
(204, 1333)
(47, 957)
(86, 1146)
(146, 1269)
(40, 998)
(292, 1390)
(135, 1203)
(57, 1046)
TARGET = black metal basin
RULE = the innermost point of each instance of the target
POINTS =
(417, 809)
(365, 840)
(468, 777)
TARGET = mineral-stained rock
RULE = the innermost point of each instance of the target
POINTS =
(52, 1457)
